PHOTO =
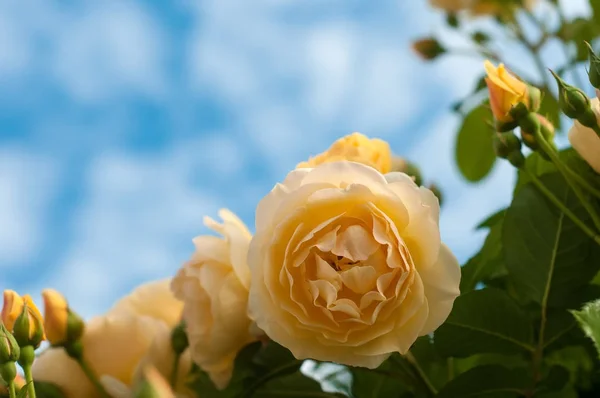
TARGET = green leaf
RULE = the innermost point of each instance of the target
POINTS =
(293, 385)
(546, 254)
(561, 330)
(484, 321)
(536, 165)
(485, 264)
(386, 381)
(589, 321)
(491, 381)
(492, 220)
(556, 379)
(474, 149)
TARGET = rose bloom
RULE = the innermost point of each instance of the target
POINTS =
(585, 141)
(213, 284)
(357, 148)
(347, 264)
(134, 333)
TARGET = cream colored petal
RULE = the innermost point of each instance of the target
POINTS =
(441, 283)
(587, 143)
(114, 344)
(324, 290)
(360, 279)
(238, 238)
(55, 366)
(342, 174)
(210, 248)
(422, 235)
(153, 299)
(347, 307)
(325, 272)
(115, 388)
(267, 207)
(355, 243)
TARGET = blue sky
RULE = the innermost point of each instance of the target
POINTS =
(123, 123)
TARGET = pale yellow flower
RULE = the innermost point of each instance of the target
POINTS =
(347, 264)
(585, 141)
(357, 148)
(214, 287)
(117, 345)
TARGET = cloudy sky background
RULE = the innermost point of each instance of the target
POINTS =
(123, 123)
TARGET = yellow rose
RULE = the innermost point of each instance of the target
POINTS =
(347, 264)
(356, 148)
(585, 141)
(505, 91)
(56, 311)
(214, 287)
(12, 307)
(119, 343)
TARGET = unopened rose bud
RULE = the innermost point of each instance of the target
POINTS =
(153, 385)
(62, 325)
(594, 68)
(428, 48)
(506, 92)
(574, 103)
(11, 308)
(29, 326)
(9, 349)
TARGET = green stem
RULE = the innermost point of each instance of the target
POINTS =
(551, 152)
(11, 389)
(92, 377)
(29, 381)
(422, 375)
(550, 196)
(582, 181)
(26, 358)
(175, 371)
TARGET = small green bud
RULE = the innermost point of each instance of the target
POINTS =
(428, 48)
(505, 144)
(452, 20)
(480, 37)
(516, 159)
(436, 191)
(8, 371)
(571, 100)
(594, 72)
(179, 339)
(9, 349)
(29, 329)
(413, 171)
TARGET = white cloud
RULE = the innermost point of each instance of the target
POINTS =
(139, 217)
(108, 48)
(27, 184)
(94, 51)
